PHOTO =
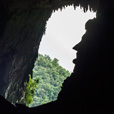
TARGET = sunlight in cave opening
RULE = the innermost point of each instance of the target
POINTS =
(64, 30)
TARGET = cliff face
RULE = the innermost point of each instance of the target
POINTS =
(21, 34)
(90, 87)
(22, 24)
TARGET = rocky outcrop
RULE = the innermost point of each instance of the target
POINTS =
(90, 87)
(19, 47)
(22, 24)
(7, 107)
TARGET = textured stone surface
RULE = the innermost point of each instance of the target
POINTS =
(22, 24)
(19, 47)
(90, 87)
(7, 107)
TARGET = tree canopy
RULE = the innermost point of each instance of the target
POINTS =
(48, 76)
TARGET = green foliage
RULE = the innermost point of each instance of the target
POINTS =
(30, 90)
(51, 76)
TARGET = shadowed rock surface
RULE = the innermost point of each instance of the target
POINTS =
(90, 87)
(22, 24)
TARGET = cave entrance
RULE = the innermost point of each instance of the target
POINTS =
(64, 30)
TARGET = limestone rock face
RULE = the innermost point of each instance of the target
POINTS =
(7, 107)
(90, 87)
(21, 34)
(22, 24)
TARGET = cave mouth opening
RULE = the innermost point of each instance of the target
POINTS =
(54, 64)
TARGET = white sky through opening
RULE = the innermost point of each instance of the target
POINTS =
(64, 30)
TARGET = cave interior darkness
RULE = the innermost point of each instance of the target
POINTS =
(89, 89)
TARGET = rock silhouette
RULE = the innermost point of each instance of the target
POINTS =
(90, 89)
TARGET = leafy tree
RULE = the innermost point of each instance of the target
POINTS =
(48, 76)
(30, 90)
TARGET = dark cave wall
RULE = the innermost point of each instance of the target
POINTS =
(19, 47)
(22, 24)
(89, 90)
(90, 87)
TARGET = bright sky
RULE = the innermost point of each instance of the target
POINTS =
(64, 30)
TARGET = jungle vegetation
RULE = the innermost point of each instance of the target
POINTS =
(48, 77)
